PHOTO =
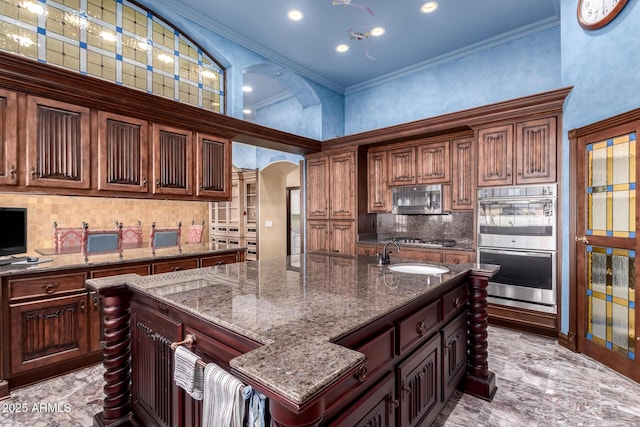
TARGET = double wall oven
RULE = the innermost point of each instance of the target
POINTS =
(517, 230)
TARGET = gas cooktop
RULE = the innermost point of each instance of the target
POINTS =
(436, 243)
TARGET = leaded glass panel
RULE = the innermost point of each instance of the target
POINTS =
(115, 40)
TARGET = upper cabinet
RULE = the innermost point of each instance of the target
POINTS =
(342, 182)
(402, 166)
(463, 184)
(8, 141)
(378, 185)
(212, 154)
(122, 153)
(318, 188)
(173, 160)
(58, 147)
(532, 154)
(434, 163)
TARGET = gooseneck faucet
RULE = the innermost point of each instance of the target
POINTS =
(383, 258)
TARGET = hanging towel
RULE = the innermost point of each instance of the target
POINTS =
(255, 417)
(188, 373)
(223, 405)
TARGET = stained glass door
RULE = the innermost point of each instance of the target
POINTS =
(606, 249)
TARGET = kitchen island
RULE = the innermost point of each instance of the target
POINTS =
(50, 324)
(329, 340)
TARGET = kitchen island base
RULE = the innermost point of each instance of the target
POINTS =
(391, 367)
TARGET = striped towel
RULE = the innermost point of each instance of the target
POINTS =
(223, 404)
(188, 373)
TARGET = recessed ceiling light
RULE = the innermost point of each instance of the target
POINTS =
(247, 88)
(429, 7)
(295, 15)
(377, 31)
(246, 111)
(342, 48)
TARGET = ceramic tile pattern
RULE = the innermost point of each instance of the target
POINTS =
(102, 213)
(539, 384)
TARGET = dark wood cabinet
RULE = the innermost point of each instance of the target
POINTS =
(57, 144)
(47, 331)
(175, 265)
(402, 166)
(378, 185)
(342, 186)
(455, 257)
(8, 138)
(531, 154)
(454, 354)
(318, 239)
(317, 188)
(173, 160)
(434, 163)
(376, 408)
(213, 178)
(463, 183)
(123, 151)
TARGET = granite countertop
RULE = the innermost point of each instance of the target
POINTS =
(297, 307)
(71, 260)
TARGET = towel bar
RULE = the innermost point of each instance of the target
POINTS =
(189, 341)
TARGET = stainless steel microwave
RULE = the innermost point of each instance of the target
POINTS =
(416, 199)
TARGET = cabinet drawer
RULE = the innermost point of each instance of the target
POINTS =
(142, 270)
(178, 265)
(45, 285)
(456, 257)
(212, 261)
(453, 302)
(418, 327)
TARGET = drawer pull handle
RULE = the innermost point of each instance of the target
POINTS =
(421, 327)
(82, 306)
(361, 373)
(176, 268)
(393, 403)
(12, 172)
(96, 302)
(50, 288)
(457, 302)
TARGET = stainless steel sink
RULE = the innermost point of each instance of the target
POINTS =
(419, 269)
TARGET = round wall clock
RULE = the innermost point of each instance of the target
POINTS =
(595, 14)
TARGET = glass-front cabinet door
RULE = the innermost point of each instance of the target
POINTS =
(606, 247)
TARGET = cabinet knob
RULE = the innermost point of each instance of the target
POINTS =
(12, 171)
(361, 373)
(50, 288)
(143, 183)
(176, 268)
(457, 302)
(81, 305)
(33, 173)
(393, 402)
(96, 302)
(421, 327)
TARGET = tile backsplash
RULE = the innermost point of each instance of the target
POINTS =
(102, 213)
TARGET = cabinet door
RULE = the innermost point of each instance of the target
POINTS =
(48, 331)
(172, 157)
(122, 153)
(216, 260)
(495, 156)
(343, 237)
(318, 188)
(434, 163)
(402, 166)
(250, 181)
(95, 322)
(318, 236)
(379, 193)
(342, 185)
(457, 257)
(8, 141)
(419, 385)
(58, 144)
(463, 175)
(536, 151)
(375, 408)
(213, 164)
(454, 354)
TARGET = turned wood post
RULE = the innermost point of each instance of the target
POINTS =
(116, 356)
(284, 417)
(480, 381)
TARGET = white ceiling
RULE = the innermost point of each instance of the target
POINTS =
(411, 38)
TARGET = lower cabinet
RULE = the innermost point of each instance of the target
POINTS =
(454, 355)
(331, 237)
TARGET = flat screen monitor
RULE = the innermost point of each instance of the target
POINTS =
(13, 231)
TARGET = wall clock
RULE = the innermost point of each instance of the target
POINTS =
(595, 14)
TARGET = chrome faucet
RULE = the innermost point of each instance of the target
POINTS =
(383, 258)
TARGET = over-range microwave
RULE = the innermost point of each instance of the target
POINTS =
(416, 199)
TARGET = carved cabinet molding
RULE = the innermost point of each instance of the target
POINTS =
(173, 160)
(212, 154)
(463, 184)
(8, 141)
(58, 147)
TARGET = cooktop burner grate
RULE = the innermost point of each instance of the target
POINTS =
(417, 241)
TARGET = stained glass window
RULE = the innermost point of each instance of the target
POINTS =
(611, 298)
(114, 40)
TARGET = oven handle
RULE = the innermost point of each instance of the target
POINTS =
(517, 252)
(494, 200)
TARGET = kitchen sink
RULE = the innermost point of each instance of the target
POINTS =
(419, 269)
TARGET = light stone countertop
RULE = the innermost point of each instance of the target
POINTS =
(295, 306)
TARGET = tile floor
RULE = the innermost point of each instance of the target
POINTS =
(539, 384)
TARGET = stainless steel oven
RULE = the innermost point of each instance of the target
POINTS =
(517, 229)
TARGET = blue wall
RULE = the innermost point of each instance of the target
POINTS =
(520, 67)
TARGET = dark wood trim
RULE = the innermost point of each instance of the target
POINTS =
(567, 341)
(544, 103)
(524, 320)
(35, 78)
